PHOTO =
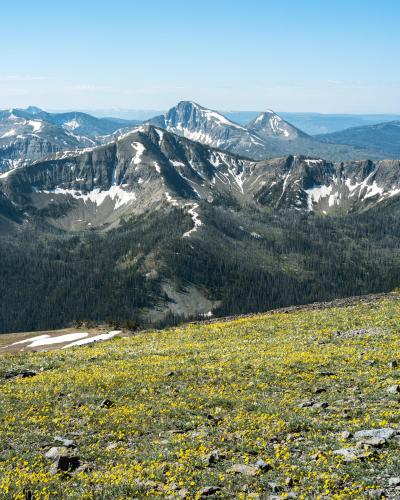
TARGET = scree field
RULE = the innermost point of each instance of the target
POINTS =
(258, 407)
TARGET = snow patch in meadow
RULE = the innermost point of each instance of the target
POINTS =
(27, 341)
(58, 340)
(43, 340)
(96, 338)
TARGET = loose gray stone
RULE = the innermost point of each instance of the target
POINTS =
(246, 470)
(385, 433)
(208, 491)
(263, 466)
(374, 442)
(55, 452)
(349, 454)
(68, 443)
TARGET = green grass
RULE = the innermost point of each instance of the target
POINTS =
(234, 387)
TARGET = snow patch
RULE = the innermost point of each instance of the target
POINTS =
(96, 338)
(71, 124)
(96, 196)
(160, 134)
(195, 218)
(10, 133)
(171, 200)
(35, 124)
(176, 163)
(139, 150)
(61, 339)
(316, 193)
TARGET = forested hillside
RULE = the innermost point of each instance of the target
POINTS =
(248, 261)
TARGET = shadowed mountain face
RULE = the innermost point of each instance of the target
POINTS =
(149, 168)
(266, 136)
(29, 134)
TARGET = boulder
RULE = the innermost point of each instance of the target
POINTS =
(208, 491)
(246, 470)
(385, 433)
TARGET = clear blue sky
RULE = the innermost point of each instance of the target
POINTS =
(292, 55)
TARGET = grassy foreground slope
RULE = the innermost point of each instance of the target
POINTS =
(192, 410)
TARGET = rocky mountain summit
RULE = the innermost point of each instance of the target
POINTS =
(267, 136)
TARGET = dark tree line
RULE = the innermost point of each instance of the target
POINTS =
(50, 279)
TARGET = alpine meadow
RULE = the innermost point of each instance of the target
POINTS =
(200, 250)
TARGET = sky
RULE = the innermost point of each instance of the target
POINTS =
(328, 56)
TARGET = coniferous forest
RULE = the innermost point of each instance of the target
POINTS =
(50, 279)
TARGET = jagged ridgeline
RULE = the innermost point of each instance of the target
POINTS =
(154, 227)
(30, 134)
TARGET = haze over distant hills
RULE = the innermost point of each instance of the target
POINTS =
(383, 138)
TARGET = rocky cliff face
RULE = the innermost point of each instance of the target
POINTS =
(151, 168)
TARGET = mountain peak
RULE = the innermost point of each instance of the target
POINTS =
(195, 122)
(33, 110)
(269, 124)
(193, 104)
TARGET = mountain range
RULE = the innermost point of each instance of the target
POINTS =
(381, 138)
(266, 136)
(154, 226)
(29, 134)
(148, 167)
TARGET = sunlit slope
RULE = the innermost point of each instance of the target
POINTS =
(243, 409)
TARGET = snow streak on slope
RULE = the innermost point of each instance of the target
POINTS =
(140, 149)
(116, 193)
(195, 218)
